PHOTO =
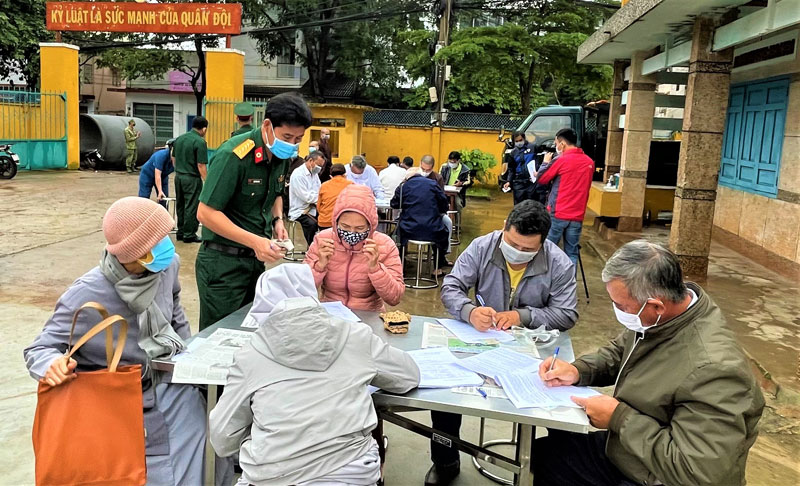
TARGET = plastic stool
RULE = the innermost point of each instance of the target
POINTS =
(489, 443)
(420, 282)
(290, 255)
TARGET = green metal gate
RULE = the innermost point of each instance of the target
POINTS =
(36, 124)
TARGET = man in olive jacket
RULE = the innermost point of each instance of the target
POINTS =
(685, 406)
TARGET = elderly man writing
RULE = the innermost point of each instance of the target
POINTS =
(685, 406)
(364, 174)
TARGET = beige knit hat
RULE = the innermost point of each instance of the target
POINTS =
(132, 227)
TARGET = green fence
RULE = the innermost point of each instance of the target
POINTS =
(222, 121)
(36, 125)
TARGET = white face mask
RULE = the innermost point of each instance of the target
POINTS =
(312, 149)
(453, 165)
(632, 321)
(316, 169)
(424, 173)
(519, 144)
(514, 256)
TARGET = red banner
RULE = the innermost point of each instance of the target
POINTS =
(157, 18)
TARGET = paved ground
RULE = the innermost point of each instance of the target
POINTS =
(50, 234)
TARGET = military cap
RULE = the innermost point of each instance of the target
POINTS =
(243, 109)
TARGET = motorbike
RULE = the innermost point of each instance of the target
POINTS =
(91, 160)
(8, 162)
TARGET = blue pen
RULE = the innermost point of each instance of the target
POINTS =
(483, 304)
(555, 355)
(483, 393)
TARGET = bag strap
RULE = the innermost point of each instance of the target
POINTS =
(113, 354)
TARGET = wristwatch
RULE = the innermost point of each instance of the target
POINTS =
(276, 219)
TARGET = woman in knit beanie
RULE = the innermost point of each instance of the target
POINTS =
(138, 279)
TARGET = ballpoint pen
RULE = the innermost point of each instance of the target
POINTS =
(483, 304)
(555, 355)
(483, 393)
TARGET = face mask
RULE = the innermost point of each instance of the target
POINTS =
(160, 257)
(281, 149)
(632, 321)
(424, 173)
(519, 144)
(311, 150)
(351, 237)
(514, 256)
(452, 165)
(558, 150)
(324, 137)
(316, 170)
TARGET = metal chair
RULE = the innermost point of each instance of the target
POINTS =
(170, 203)
(489, 443)
(431, 254)
(290, 255)
(455, 235)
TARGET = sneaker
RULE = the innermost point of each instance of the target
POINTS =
(442, 475)
(191, 239)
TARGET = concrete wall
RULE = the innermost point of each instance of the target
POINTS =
(108, 99)
(183, 105)
(762, 222)
(382, 141)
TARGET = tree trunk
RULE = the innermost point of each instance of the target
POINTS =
(199, 93)
(525, 86)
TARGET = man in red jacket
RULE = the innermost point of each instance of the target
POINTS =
(571, 172)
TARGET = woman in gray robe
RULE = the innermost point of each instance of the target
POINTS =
(138, 279)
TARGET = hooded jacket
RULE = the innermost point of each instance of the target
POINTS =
(296, 405)
(347, 277)
(421, 203)
(689, 404)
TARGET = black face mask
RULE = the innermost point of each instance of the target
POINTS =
(351, 237)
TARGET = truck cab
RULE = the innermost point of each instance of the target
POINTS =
(589, 122)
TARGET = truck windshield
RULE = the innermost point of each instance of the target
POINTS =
(545, 127)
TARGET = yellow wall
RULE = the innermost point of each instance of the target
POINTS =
(382, 141)
(225, 69)
(350, 135)
(59, 74)
(44, 121)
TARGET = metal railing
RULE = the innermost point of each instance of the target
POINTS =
(221, 120)
(426, 118)
(36, 123)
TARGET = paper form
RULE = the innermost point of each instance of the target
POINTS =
(206, 360)
(499, 361)
(525, 390)
(465, 332)
(438, 369)
(339, 310)
(532, 170)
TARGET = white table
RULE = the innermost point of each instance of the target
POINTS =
(389, 405)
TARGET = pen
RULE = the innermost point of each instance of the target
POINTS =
(555, 355)
(483, 393)
(483, 304)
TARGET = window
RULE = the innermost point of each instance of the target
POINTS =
(116, 79)
(286, 62)
(159, 117)
(333, 142)
(328, 122)
(753, 138)
(87, 73)
(545, 127)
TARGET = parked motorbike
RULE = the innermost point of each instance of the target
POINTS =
(8, 162)
(92, 160)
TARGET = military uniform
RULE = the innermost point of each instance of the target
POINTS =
(189, 150)
(242, 183)
(243, 109)
(130, 146)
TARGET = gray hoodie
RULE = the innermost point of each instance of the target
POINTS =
(296, 405)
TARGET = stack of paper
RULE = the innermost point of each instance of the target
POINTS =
(465, 332)
(438, 369)
(206, 361)
(499, 361)
(339, 310)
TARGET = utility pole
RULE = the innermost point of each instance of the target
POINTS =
(441, 66)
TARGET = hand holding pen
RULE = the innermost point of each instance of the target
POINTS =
(482, 318)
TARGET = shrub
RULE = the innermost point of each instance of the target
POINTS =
(479, 162)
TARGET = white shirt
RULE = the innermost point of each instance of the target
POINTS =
(367, 178)
(390, 178)
(303, 193)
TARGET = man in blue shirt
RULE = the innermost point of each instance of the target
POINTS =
(155, 173)
(519, 178)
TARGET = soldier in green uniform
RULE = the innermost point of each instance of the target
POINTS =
(241, 208)
(131, 136)
(191, 156)
(244, 118)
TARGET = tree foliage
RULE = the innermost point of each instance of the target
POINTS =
(22, 28)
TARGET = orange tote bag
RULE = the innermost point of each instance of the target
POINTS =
(90, 430)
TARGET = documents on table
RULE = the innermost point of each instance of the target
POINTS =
(498, 361)
(525, 390)
(340, 310)
(438, 369)
(465, 332)
(490, 391)
(206, 360)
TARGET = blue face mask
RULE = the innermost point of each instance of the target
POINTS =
(160, 257)
(281, 149)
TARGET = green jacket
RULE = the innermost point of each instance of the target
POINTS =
(130, 138)
(689, 404)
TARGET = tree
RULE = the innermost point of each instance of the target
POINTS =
(22, 28)
(527, 62)
(358, 46)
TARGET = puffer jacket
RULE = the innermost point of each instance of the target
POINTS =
(347, 277)
(689, 404)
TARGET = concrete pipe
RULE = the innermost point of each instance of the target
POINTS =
(106, 133)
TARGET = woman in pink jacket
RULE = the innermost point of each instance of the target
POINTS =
(351, 261)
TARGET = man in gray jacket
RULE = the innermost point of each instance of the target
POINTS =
(524, 280)
(296, 406)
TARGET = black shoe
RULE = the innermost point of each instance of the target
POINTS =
(191, 239)
(179, 238)
(442, 475)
